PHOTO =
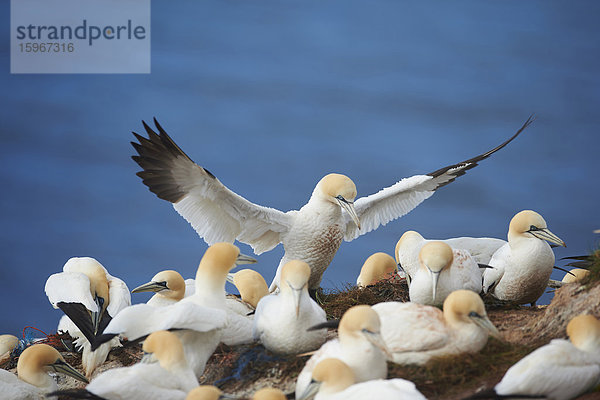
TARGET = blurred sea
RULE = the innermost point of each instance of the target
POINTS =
(271, 96)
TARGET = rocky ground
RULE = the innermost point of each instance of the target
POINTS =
(242, 370)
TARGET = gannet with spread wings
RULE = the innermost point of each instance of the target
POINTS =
(312, 234)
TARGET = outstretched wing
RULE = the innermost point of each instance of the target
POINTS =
(399, 199)
(215, 212)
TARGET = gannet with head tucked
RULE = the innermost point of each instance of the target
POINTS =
(163, 373)
(312, 234)
(90, 297)
(377, 266)
(281, 320)
(332, 379)
(169, 287)
(442, 271)
(251, 286)
(414, 333)
(33, 381)
(359, 345)
(410, 243)
(7, 345)
(521, 268)
(560, 370)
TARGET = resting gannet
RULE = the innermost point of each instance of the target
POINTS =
(201, 320)
(269, 394)
(206, 392)
(560, 370)
(163, 373)
(90, 297)
(252, 288)
(33, 381)
(332, 379)
(169, 287)
(197, 327)
(575, 275)
(521, 268)
(282, 319)
(7, 345)
(312, 234)
(377, 267)
(414, 333)
(410, 243)
(359, 345)
(443, 270)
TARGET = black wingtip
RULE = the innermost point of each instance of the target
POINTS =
(101, 339)
(334, 323)
(464, 166)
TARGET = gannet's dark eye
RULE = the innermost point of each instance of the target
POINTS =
(473, 314)
(534, 228)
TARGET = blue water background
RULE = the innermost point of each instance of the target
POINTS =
(272, 95)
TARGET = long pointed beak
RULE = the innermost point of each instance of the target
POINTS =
(545, 234)
(435, 277)
(150, 287)
(348, 206)
(64, 368)
(485, 323)
(148, 358)
(377, 341)
(297, 293)
(311, 390)
(244, 259)
(229, 278)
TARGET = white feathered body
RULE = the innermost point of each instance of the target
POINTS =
(558, 370)
(520, 272)
(281, 331)
(314, 237)
(480, 249)
(238, 328)
(11, 387)
(143, 382)
(380, 389)
(74, 287)
(198, 328)
(366, 361)
(415, 333)
(463, 273)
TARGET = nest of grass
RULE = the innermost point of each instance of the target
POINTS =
(335, 302)
(592, 265)
(450, 376)
(247, 368)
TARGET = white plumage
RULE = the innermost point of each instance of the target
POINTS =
(197, 327)
(442, 271)
(359, 345)
(562, 369)
(410, 243)
(169, 377)
(312, 234)
(414, 333)
(281, 320)
(332, 379)
(84, 285)
(522, 267)
(33, 381)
